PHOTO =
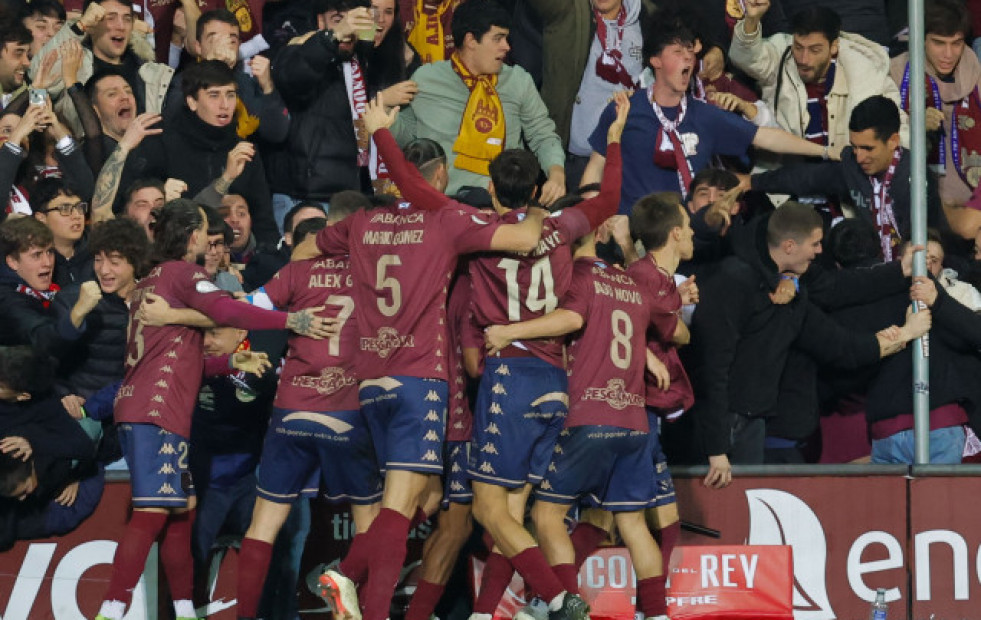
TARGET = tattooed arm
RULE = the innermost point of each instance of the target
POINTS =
(107, 183)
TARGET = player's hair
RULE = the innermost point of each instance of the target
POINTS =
(425, 155)
(515, 174)
(216, 225)
(47, 189)
(13, 473)
(14, 31)
(946, 18)
(664, 31)
(878, 113)
(854, 242)
(139, 184)
(24, 369)
(477, 17)
(173, 228)
(654, 217)
(310, 226)
(205, 74)
(792, 220)
(816, 18)
(23, 233)
(303, 204)
(45, 8)
(124, 237)
(713, 177)
(217, 15)
(86, 4)
(569, 200)
(341, 6)
(91, 87)
(343, 204)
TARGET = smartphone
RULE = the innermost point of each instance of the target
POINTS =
(38, 96)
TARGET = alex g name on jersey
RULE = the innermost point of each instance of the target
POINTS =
(330, 280)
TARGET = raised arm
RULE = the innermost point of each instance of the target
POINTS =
(603, 206)
(107, 183)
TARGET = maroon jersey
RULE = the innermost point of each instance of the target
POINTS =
(666, 296)
(318, 376)
(459, 422)
(508, 288)
(164, 365)
(402, 260)
(607, 357)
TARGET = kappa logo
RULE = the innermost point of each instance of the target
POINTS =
(546, 486)
(503, 370)
(486, 468)
(495, 408)
(166, 468)
(558, 449)
(551, 467)
(157, 398)
(455, 468)
(172, 354)
(178, 340)
(432, 397)
(492, 429)
(166, 489)
(161, 384)
(155, 413)
(167, 448)
(489, 448)
(499, 389)
(780, 518)
(456, 486)
(167, 370)
(432, 416)
(431, 435)
(430, 456)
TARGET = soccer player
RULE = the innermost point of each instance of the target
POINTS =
(153, 408)
(522, 400)
(317, 438)
(605, 447)
(402, 259)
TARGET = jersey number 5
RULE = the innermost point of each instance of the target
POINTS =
(389, 283)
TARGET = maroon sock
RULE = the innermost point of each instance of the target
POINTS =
(497, 576)
(355, 564)
(424, 600)
(568, 576)
(130, 558)
(534, 569)
(586, 537)
(650, 596)
(667, 539)
(175, 555)
(253, 565)
(388, 533)
(488, 541)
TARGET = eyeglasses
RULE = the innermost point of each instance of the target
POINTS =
(68, 208)
(214, 246)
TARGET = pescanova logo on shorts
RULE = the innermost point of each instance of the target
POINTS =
(781, 518)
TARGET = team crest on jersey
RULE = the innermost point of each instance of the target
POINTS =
(330, 381)
(387, 340)
(615, 395)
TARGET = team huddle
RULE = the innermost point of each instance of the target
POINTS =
(390, 312)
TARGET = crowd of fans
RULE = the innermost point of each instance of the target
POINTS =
(243, 135)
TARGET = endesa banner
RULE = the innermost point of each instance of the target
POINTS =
(919, 538)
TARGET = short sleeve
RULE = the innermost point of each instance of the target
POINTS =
(732, 133)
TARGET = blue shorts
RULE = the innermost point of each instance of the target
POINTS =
(407, 420)
(663, 483)
(456, 482)
(331, 451)
(521, 407)
(157, 461)
(608, 466)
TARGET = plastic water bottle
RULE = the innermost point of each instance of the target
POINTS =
(879, 608)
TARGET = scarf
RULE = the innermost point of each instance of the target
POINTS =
(245, 123)
(817, 107)
(357, 96)
(243, 14)
(609, 65)
(427, 36)
(676, 157)
(482, 128)
(44, 296)
(965, 138)
(885, 218)
(735, 11)
(938, 155)
(18, 202)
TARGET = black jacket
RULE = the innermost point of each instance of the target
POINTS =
(195, 152)
(846, 180)
(25, 320)
(97, 357)
(740, 339)
(76, 269)
(320, 156)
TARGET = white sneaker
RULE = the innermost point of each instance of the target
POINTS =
(341, 595)
(537, 609)
(481, 617)
(661, 617)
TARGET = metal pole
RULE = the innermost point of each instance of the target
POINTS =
(917, 139)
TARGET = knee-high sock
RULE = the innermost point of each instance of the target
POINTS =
(667, 539)
(538, 575)
(388, 534)
(355, 564)
(253, 565)
(130, 558)
(424, 601)
(497, 575)
(586, 537)
(175, 555)
(568, 576)
(650, 596)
